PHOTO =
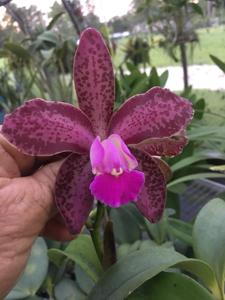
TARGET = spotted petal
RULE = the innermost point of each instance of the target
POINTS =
(42, 127)
(94, 80)
(167, 146)
(158, 113)
(116, 191)
(151, 199)
(72, 194)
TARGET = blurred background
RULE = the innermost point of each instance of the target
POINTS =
(184, 37)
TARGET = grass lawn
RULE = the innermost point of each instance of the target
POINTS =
(211, 41)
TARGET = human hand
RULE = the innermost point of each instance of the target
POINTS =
(26, 210)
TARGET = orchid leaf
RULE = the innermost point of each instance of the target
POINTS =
(187, 162)
(171, 286)
(154, 79)
(84, 281)
(54, 20)
(199, 107)
(156, 114)
(82, 252)
(209, 237)
(181, 230)
(163, 78)
(48, 36)
(125, 227)
(67, 289)
(218, 62)
(18, 50)
(195, 176)
(132, 271)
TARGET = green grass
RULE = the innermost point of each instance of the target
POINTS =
(211, 41)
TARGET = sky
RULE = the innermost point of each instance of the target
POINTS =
(105, 9)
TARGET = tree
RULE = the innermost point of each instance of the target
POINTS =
(30, 20)
(173, 20)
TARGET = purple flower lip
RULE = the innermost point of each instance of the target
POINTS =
(122, 145)
(116, 183)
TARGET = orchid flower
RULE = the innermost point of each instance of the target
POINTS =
(112, 154)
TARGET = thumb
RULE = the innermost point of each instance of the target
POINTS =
(45, 179)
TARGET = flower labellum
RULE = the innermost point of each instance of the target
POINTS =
(116, 181)
(112, 155)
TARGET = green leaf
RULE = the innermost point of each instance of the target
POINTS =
(220, 168)
(158, 230)
(199, 108)
(139, 87)
(82, 252)
(126, 249)
(34, 273)
(171, 286)
(209, 237)
(18, 50)
(205, 131)
(197, 8)
(67, 289)
(195, 176)
(163, 78)
(187, 162)
(48, 36)
(154, 79)
(84, 282)
(54, 20)
(126, 228)
(133, 270)
(181, 230)
(218, 62)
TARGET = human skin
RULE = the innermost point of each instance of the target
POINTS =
(26, 210)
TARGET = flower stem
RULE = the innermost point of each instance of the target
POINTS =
(95, 232)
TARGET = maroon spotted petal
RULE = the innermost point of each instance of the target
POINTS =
(168, 146)
(156, 114)
(94, 80)
(42, 127)
(164, 167)
(72, 195)
(151, 200)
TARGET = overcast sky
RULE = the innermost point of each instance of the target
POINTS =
(105, 9)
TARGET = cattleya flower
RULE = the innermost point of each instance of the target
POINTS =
(112, 155)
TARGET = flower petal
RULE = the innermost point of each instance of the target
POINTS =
(40, 127)
(72, 194)
(167, 146)
(156, 114)
(151, 200)
(96, 153)
(164, 167)
(116, 191)
(94, 80)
